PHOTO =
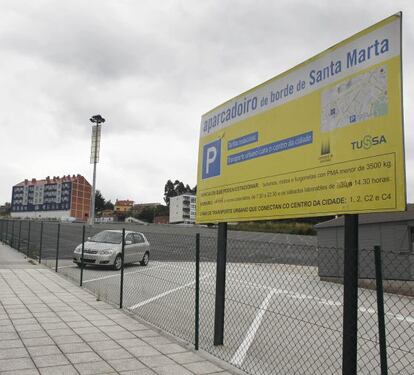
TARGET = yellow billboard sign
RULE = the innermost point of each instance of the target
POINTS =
(323, 138)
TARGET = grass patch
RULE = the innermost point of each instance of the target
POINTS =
(275, 227)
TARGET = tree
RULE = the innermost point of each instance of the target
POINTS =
(5, 209)
(99, 201)
(161, 210)
(149, 213)
(169, 192)
(109, 205)
(177, 188)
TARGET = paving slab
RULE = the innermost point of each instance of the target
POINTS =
(59, 370)
(114, 354)
(13, 353)
(172, 370)
(49, 326)
(75, 347)
(186, 357)
(202, 368)
(50, 360)
(36, 351)
(83, 357)
(16, 364)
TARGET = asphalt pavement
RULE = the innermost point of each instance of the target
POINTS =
(280, 319)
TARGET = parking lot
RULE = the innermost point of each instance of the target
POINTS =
(279, 316)
(292, 321)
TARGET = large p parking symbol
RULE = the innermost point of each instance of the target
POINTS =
(211, 159)
(211, 156)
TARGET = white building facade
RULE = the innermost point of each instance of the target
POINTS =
(183, 209)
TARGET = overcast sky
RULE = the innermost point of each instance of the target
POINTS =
(152, 68)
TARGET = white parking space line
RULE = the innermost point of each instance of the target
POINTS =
(240, 354)
(322, 301)
(143, 303)
(400, 317)
(126, 273)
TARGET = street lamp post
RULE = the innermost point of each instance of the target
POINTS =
(96, 138)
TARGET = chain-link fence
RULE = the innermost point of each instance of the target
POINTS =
(164, 292)
(283, 301)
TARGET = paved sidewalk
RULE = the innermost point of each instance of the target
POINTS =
(50, 326)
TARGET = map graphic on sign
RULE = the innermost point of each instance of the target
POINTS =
(357, 99)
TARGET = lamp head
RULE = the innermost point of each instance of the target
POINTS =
(98, 119)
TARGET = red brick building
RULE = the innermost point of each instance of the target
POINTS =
(57, 197)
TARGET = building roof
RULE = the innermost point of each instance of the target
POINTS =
(373, 218)
(52, 180)
(125, 202)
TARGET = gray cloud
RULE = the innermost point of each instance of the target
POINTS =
(152, 69)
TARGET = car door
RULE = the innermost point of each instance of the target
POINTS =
(130, 249)
(141, 246)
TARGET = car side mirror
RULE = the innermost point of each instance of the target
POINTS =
(128, 242)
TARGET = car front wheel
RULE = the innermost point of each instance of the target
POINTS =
(118, 262)
(145, 259)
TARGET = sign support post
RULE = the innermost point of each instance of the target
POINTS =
(220, 284)
(380, 310)
(350, 326)
(197, 294)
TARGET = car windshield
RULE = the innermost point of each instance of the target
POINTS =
(107, 237)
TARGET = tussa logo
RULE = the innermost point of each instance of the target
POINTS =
(368, 141)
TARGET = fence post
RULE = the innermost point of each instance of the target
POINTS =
(220, 284)
(12, 235)
(121, 292)
(1, 231)
(20, 235)
(28, 241)
(381, 313)
(41, 242)
(197, 294)
(350, 317)
(83, 251)
(7, 229)
(57, 248)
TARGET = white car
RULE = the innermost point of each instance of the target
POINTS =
(105, 249)
(68, 219)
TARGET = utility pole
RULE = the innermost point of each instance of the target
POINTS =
(95, 146)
